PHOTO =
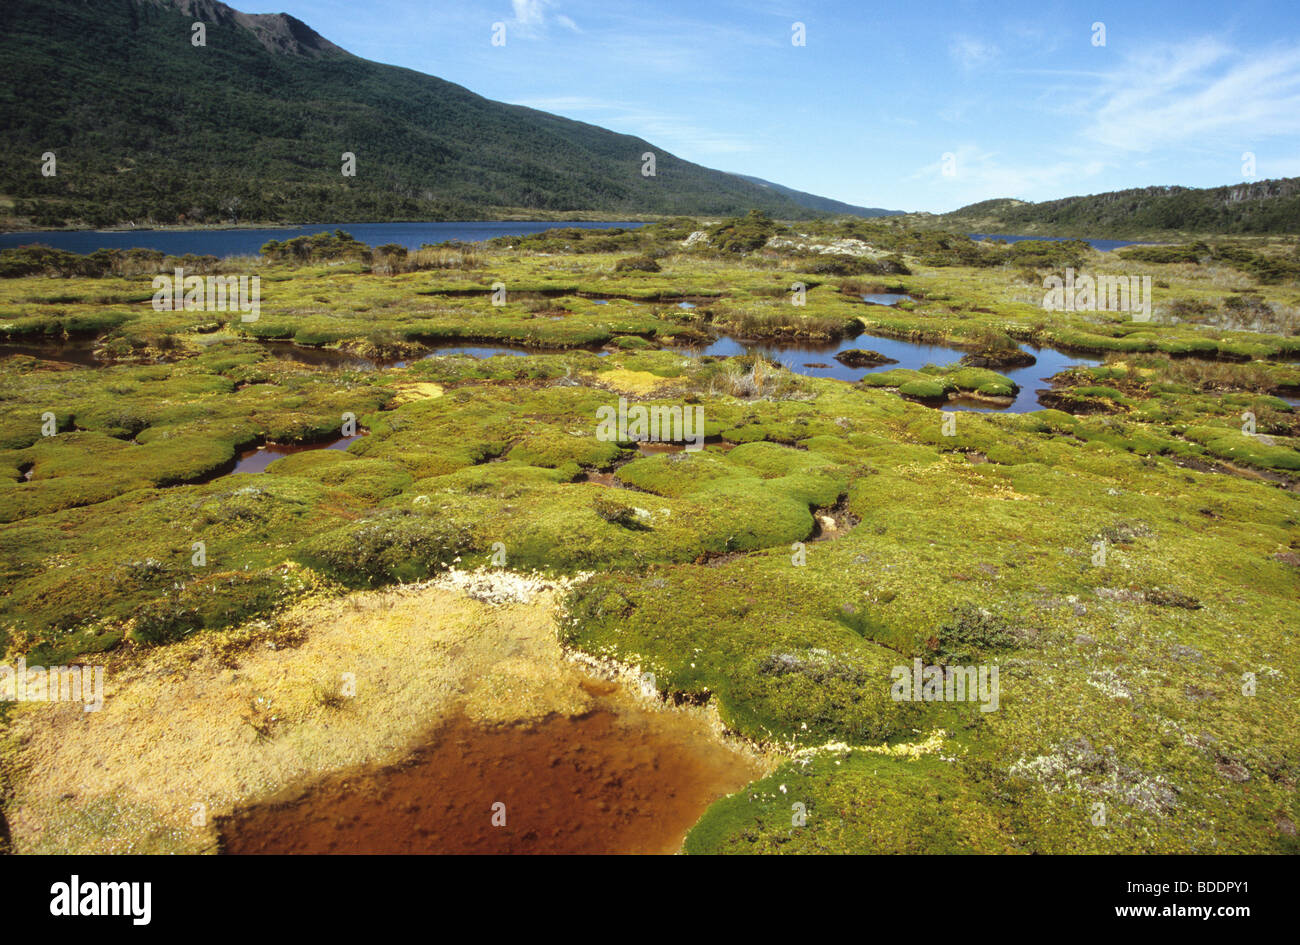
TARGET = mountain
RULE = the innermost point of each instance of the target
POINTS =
(277, 32)
(822, 204)
(1268, 206)
(146, 127)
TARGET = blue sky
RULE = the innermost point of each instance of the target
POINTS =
(1016, 93)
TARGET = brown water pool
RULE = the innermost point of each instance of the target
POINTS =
(614, 780)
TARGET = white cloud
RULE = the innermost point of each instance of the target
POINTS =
(1202, 93)
(982, 175)
(532, 16)
(1159, 111)
(971, 53)
(528, 12)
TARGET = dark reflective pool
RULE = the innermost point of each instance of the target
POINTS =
(80, 352)
(256, 460)
(886, 298)
(818, 360)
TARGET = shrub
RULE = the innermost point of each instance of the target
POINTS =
(1049, 254)
(970, 632)
(38, 260)
(988, 338)
(636, 264)
(1189, 310)
(743, 234)
(317, 247)
(391, 258)
(617, 512)
(1184, 253)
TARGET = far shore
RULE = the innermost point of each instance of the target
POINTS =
(8, 226)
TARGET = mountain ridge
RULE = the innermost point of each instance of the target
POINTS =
(278, 32)
(825, 204)
(1254, 207)
(252, 127)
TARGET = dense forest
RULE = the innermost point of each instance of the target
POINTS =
(1269, 206)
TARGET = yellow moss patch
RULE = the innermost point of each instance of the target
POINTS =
(636, 382)
(416, 390)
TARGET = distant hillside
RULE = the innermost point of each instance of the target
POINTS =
(1269, 206)
(822, 204)
(148, 128)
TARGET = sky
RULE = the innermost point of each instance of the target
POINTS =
(916, 105)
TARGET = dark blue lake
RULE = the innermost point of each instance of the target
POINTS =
(1104, 246)
(248, 242)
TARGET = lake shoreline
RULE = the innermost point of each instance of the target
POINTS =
(229, 241)
(7, 229)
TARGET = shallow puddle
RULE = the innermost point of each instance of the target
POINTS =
(886, 298)
(486, 351)
(648, 448)
(321, 357)
(618, 779)
(78, 352)
(256, 460)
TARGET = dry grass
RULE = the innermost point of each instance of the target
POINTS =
(392, 262)
(1217, 375)
(429, 258)
(777, 322)
(761, 379)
